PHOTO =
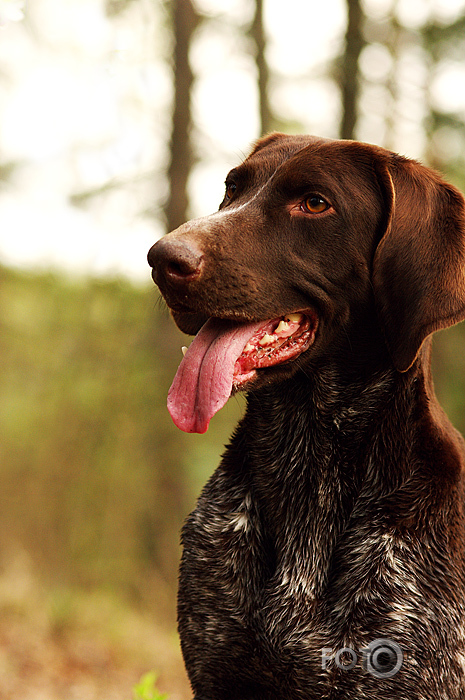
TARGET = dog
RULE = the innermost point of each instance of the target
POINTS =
(325, 556)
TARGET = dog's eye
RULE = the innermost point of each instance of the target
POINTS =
(230, 189)
(314, 204)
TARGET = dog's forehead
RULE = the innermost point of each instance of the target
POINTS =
(290, 159)
(275, 149)
(271, 152)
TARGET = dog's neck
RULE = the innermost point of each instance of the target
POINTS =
(315, 446)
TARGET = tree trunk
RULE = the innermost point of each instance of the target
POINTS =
(350, 72)
(185, 21)
(257, 32)
(160, 527)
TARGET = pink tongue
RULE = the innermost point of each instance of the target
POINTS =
(204, 379)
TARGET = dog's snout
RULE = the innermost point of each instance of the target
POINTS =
(176, 260)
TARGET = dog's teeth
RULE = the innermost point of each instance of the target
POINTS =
(248, 348)
(267, 340)
(184, 349)
(283, 326)
(294, 318)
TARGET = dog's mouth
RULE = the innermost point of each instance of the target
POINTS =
(278, 341)
(225, 356)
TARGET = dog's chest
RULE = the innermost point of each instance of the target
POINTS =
(301, 596)
(297, 551)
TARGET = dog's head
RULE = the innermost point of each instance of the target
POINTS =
(318, 247)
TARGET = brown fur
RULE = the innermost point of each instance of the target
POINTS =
(336, 515)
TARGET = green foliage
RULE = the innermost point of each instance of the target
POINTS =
(146, 690)
(445, 40)
(95, 478)
(444, 46)
(449, 372)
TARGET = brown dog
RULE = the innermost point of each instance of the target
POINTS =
(325, 557)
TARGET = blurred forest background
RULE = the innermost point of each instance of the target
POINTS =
(118, 120)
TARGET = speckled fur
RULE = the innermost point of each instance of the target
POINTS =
(336, 514)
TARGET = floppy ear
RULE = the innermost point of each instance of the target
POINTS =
(419, 265)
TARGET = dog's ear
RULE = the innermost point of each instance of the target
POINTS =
(419, 265)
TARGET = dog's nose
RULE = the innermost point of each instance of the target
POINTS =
(176, 260)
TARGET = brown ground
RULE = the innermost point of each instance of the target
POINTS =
(72, 646)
